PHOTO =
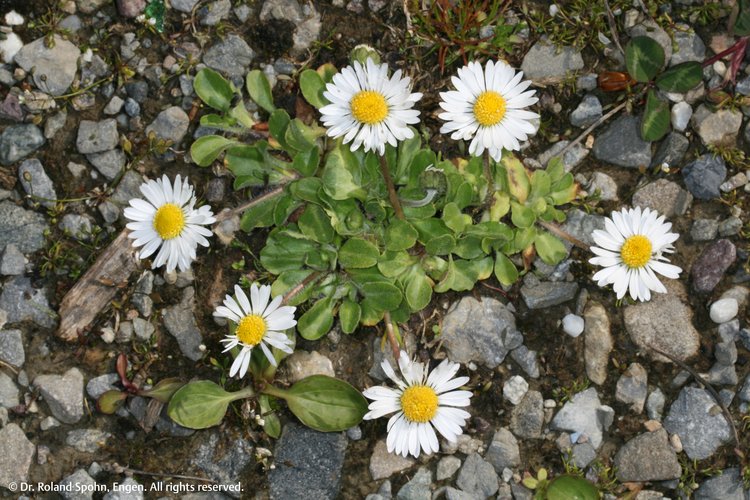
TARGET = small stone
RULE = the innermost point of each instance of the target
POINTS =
(129, 489)
(647, 457)
(680, 115)
(180, 323)
(546, 63)
(354, 433)
(446, 467)
(724, 310)
(12, 262)
(632, 387)
(726, 353)
(19, 141)
(130, 8)
(604, 185)
(587, 112)
(621, 144)
(63, 394)
(477, 477)
(727, 485)
(514, 389)
(571, 158)
(547, 294)
(11, 348)
(77, 226)
(52, 65)
(655, 404)
(49, 423)
(77, 486)
(97, 137)
(109, 163)
(184, 5)
(418, 488)
(113, 106)
(55, 123)
(671, 151)
(170, 125)
(704, 229)
(719, 128)
(710, 266)
(23, 302)
(132, 108)
(688, 45)
(696, 418)
(101, 384)
(572, 325)
(735, 182)
(302, 364)
(527, 418)
(124, 333)
(384, 464)
(138, 90)
(739, 293)
(8, 392)
(215, 12)
(143, 329)
(664, 322)
(585, 414)
(581, 225)
(16, 453)
(87, 440)
(730, 227)
(526, 359)
(232, 55)
(36, 183)
(664, 196)
(503, 451)
(597, 342)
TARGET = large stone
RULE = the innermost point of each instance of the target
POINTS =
(384, 464)
(63, 394)
(648, 457)
(698, 420)
(621, 144)
(477, 477)
(546, 63)
(97, 137)
(8, 392)
(180, 322)
(109, 163)
(16, 452)
(527, 418)
(664, 322)
(479, 330)
(710, 266)
(597, 342)
(704, 176)
(542, 294)
(503, 451)
(11, 348)
(22, 228)
(632, 387)
(308, 463)
(728, 485)
(170, 125)
(23, 302)
(232, 55)
(418, 488)
(718, 128)
(36, 183)
(666, 197)
(18, 142)
(671, 151)
(53, 66)
(585, 414)
(225, 455)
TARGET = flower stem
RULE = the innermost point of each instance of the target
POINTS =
(300, 286)
(552, 228)
(391, 188)
(488, 175)
(391, 336)
(228, 214)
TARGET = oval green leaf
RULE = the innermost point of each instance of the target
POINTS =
(201, 404)
(163, 390)
(400, 235)
(550, 249)
(207, 148)
(418, 291)
(349, 315)
(568, 487)
(317, 321)
(260, 90)
(521, 215)
(656, 118)
(382, 295)
(680, 78)
(505, 271)
(357, 253)
(644, 57)
(312, 86)
(213, 89)
(315, 224)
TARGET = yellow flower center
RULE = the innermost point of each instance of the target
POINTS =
(369, 107)
(251, 329)
(419, 403)
(169, 221)
(636, 251)
(489, 108)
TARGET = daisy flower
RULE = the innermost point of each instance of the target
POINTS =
(257, 323)
(631, 249)
(368, 108)
(488, 106)
(422, 403)
(168, 219)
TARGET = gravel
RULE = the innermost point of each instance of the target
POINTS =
(710, 266)
(18, 142)
(53, 66)
(503, 451)
(546, 63)
(647, 457)
(621, 144)
(16, 452)
(697, 419)
(180, 323)
(477, 477)
(598, 342)
(63, 394)
(704, 176)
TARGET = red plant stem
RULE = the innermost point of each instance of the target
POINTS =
(391, 336)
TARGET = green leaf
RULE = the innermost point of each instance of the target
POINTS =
(317, 321)
(271, 422)
(505, 271)
(393, 264)
(306, 162)
(288, 280)
(357, 253)
(110, 401)
(315, 224)
(418, 290)
(260, 90)
(240, 113)
(260, 214)
(312, 86)
(324, 403)
(681, 77)
(540, 184)
(454, 219)
(567, 487)
(656, 118)
(742, 24)
(213, 89)
(163, 390)
(521, 215)
(644, 57)
(284, 252)
(382, 295)
(202, 404)
(400, 235)
(441, 245)
(463, 274)
(299, 136)
(518, 179)
(278, 122)
(340, 176)
(550, 249)
(207, 148)
(500, 205)
(349, 315)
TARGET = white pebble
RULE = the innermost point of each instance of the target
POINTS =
(572, 325)
(13, 18)
(10, 47)
(514, 389)
(681, 113)
(720, 68)
(724, 310)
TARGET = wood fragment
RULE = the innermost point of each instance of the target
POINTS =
(93, 292)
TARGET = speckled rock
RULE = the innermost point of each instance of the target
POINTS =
(699, 422)
(710, 266)
(63, 394)
(597, 342)
(647, 457)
